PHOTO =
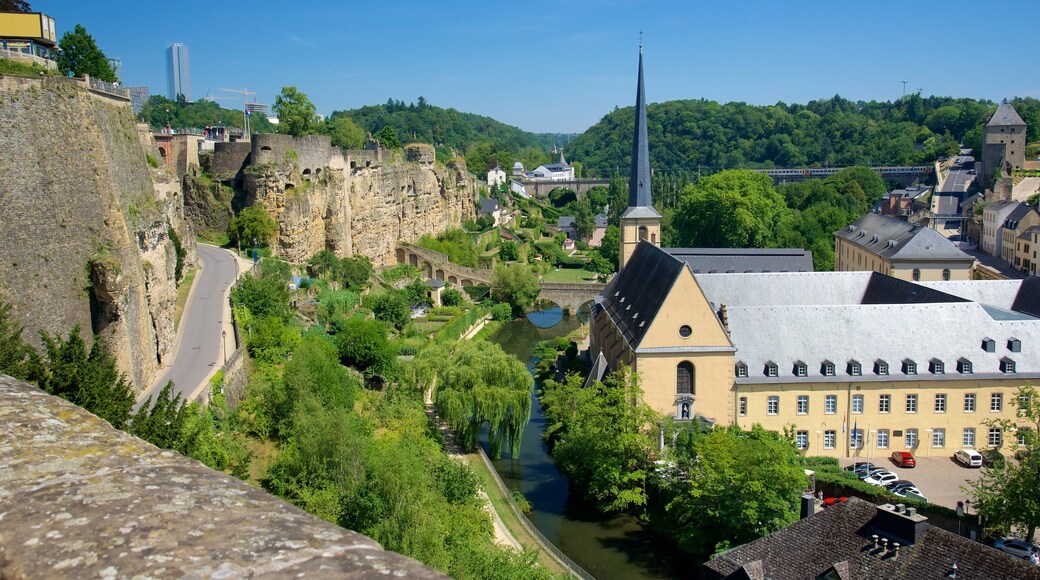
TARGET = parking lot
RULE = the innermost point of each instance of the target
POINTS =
(939, 478)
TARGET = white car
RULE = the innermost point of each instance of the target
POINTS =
(881, 478)
(968, 458)
(1015, 547)
(910, 492)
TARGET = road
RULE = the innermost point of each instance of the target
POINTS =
(958, 180)
(199, 348)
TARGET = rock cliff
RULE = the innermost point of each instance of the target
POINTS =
(85, 222)
(353, 202)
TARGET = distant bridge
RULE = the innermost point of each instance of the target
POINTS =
(542, 188)
(905, 174)
(433, 264)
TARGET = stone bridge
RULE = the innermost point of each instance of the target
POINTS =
(578, 186)
(433, 264)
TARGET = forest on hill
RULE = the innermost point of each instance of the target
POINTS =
(692, 135)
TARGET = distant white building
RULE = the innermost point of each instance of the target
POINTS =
(560, 171)
(496, 177)
(519, 189)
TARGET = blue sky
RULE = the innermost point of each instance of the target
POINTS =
(560, 66)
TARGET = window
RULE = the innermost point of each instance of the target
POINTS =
(773, 405)
(801, 439)
(989, 345)
(830, 404)
(1007, 365)
(969, 402)
(909, 367)
(946, 274)
(938, 437)
(917, 275)
(911, 438)
(996, 402)
(880, 367)
(857, 404)
(936, 367)
(741, 370)
(1024, 402)
(827, 368)
(803, 404)
(940, 403)
(854, 368)
(1023, 435)
(884, 403)
(964, 366)
(642, 233)
(770, 369)
(800, 369)
(911, 403)
(684, 378)
(996, 436)
(685, 331)
(856, 438)
(1014, 345)
(830, 437)
(968, 437)
(882, 439)
(743, 406)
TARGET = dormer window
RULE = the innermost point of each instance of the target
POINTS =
(741, 370)
(1007, 365)
(936, 367)
(771, 370)
(909, 367)
(827, 368)
(880, 367)
(989, 345)
(964, 366)
(800, 369)
(1014, 345)
(854, 368)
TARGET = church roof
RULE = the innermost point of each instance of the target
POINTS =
(639, 177)
(898, 240)
(634, 297)
(1005, 115)
(720, 260)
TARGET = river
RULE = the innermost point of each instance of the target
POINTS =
(611, 547)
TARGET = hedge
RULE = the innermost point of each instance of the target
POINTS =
(453, 331)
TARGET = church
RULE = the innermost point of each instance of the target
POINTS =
(853, 363)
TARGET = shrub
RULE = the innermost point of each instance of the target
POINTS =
(502, 312)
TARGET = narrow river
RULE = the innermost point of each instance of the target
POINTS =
(607, 547)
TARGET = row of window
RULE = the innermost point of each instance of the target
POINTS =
(829, 438)
(830, 403)
(881, 368)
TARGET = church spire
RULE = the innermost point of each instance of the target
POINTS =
(639, 177)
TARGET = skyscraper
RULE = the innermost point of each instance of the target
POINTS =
(178, 77)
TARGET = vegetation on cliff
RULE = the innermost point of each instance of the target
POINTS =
(78, 53)
(158, 111)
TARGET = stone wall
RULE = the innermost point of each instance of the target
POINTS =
(84, 223)
(79, 499)
(229, 159)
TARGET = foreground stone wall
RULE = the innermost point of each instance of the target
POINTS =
(79, 499)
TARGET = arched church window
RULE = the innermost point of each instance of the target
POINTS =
(684, 379)
(642, 233)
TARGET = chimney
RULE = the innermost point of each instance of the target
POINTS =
(900, 523)
(895, 550)
(724, 317)
(808, 505)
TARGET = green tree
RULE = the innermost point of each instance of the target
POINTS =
(515, 284)
(387, 138)
(354, 271)
(262, 296)
(254, 226)
(611, 245)
(509, 251)
(617, 200)
(315, 370)
(416, 292)
(451, 297)
(1006, 490)
(322, 263)
(738, 486)
(14, 6)
(160, 423)
(88, 379)
(296, 113)
(584, 220)
(478, 385)
(270, 339)
(731, 209)
(345, 133)
(80, 55)
(598, 264)
(392, 307)
(17, 358)
(363, 344)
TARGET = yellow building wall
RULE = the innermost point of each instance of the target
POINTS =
(685, 305)
(630, 236)
(954, 420)
(21, 25)
(850, 257)
(712, 381)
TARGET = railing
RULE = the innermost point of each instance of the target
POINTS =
(107, 87)
(555, 552)
(16, 55)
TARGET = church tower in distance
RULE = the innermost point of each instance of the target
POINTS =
(640, 221)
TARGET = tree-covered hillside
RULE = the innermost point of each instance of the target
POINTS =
(482, 140)
(180, 114)
(687, 135)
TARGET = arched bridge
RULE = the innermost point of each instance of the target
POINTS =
(433, 264)
(541, 188)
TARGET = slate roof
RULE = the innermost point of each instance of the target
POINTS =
(600, 368)
(488, 205)
(1017, 215)
(898, 240)
(635, 295)
(639, 176)
(840, 537)
(601, 221)
(1005, 115)
(1025, 235)
(565, 221)
(723, 260)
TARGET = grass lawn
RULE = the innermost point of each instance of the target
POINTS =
(182, 295)
(568, 275)
(219, 239)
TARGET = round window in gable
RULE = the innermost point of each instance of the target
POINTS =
(685, 331)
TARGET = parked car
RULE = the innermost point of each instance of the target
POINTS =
(865, 474)
(899, 484)
(829, 501)
(992, 458)
(910, 492)
(860, 465)
(903, 459)
(1016, 547)
(881, 478)
(968, 457)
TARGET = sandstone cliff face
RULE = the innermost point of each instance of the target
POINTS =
(327, 200)
(84, 223)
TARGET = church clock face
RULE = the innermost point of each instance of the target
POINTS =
(685, 331)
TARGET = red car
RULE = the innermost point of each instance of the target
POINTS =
(903, 459)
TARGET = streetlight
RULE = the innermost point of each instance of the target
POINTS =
(873, 437)
(223, 338)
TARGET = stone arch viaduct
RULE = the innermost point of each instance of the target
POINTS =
(436, 265)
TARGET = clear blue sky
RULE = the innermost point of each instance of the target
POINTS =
(560, 66)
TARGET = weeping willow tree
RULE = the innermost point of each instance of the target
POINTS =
(476, 384)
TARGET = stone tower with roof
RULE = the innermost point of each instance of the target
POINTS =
(640, 221)
(1004, 142)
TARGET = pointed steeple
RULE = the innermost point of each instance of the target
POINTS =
(639, 177)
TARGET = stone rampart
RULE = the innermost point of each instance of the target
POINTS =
(79, 499)
(311, 151)
(228, 159)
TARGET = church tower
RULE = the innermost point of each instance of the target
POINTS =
(640, 221)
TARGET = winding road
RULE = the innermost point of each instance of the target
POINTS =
(199, 348)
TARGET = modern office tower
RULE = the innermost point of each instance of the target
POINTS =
(178, 77)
